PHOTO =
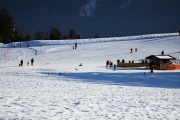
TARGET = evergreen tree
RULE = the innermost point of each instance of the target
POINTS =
(15, 35)
(64, 37)
(25, 34)
(39, 35)
(78, 37)
(7, 27)
(55, 34)
(96, 36)
(46, 35)
(27, 37)
(72, 34)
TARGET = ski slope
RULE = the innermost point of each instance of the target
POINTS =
(91, 91)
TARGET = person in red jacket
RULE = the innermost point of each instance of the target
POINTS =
(131, 50)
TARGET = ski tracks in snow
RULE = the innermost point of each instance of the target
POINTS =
(16, 54)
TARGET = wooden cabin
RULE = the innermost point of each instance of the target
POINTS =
(157, 59)
(162, 62)
(159, 62)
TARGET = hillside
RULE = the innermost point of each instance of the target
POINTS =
(56, 87)
(92, 53)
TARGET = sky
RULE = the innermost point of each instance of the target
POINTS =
(90, 17)
(56, 87)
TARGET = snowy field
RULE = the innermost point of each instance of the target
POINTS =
(57, 88)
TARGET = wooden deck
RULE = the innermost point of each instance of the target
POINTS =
(133, 65)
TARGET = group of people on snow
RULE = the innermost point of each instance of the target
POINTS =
(20, 44)
(131, 50)
(21, 62)
(110, 63)
(75, 46)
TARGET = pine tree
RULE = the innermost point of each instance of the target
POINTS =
(96, 36)
(16, 36)
(39, 35)
(27, 37)
(23, 34)
(78, 37)
(7, 27)
(72, 34)
(55, 34)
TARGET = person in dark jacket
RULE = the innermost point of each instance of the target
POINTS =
(136, 50)
(27, 44)
(123, 61)
(32, 61)
(118, 61)
(75, 45)
(131, 50)
(114, 66)
(107, 63)
(151, 69)
(162, 53)
(21, 62)
(14, 45)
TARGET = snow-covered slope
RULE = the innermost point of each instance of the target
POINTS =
(92, 53)
(56, 87)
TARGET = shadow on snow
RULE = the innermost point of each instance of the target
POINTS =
(160, 80)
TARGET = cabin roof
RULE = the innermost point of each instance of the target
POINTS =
(167, 57)
(164, 57)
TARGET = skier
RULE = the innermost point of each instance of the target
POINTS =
(131, 50)
(151, 69)
(111, 64)
(32, 60)
(14, 45)
(114, 66)
(21, 62)
(162, 53)
(136, 50)
(27, 44)
(20, 45)
(75, 45)
(107, 63)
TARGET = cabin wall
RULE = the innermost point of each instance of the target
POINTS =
(156, 61)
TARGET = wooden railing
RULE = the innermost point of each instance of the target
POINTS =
(133, 65)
